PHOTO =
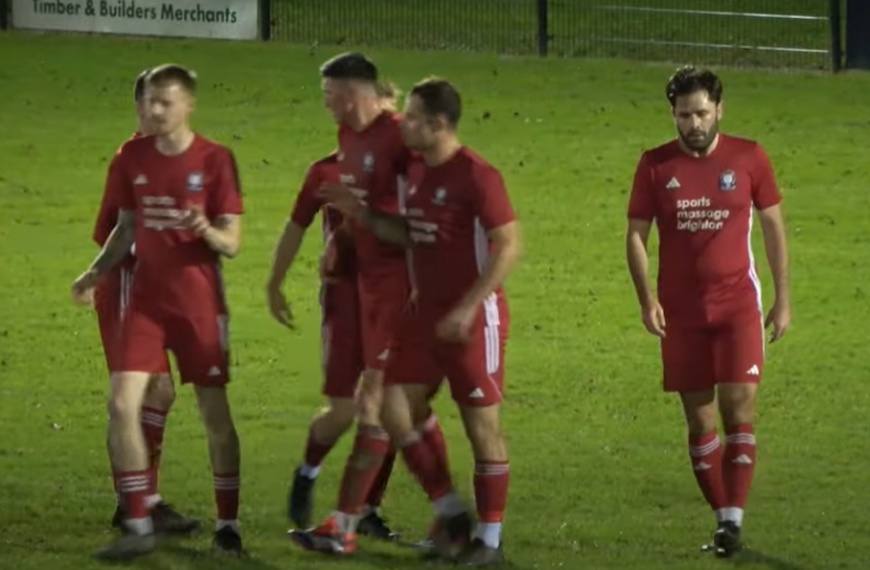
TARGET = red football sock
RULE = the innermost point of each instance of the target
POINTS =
(379, 486)
(153, 425)
(226, 495)
(316, 451)
(426, 467)
(738, 464)
(133, 486)
(433, 437)
(369, 449)
(706, 454)
(490, 489)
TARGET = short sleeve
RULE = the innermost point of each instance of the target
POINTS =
(765, 192)
(118, 184)
(226, 197)
(307, 203)
(107, 217)
(492, 204)
(641, 204)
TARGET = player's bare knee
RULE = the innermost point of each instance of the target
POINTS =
(483, 428)
(338, 416)
(737, 405)
(700, 411)
(161, 392)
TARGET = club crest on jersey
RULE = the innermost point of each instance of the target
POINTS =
(368, 162)
(440, 196)
(727, 181)
(194, 181)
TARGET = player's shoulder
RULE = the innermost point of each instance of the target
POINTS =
(741, 146)
(322, 165)
(211, 147)
(475, 165)
(661, 154)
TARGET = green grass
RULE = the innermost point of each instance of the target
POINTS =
(596, 28)
(600, 477)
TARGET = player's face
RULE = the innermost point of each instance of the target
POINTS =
(169, 107)
(335, 98)
(417, 126)
(697, 119)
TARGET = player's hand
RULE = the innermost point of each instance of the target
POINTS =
(457, 325)
(654, 318)
(341, 197)
(779, 317)
(411, 304)
(83, 288)
(194, 220)
(279, 308)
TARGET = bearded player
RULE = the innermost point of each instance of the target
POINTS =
(341, 341)
(111, 297)
(180, 202)
(702, 190)
(372, 161)
(465, 239)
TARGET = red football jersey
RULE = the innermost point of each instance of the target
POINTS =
(374, 163)
(451, 208)
(308, 204)
(703, 210)
(107, 217)
(176, 271)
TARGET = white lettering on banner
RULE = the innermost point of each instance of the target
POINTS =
(224, 19)
(697, 215)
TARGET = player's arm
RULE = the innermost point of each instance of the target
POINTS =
(776, 248)
(636, 239)
(505, 250)
(387, 227)
(285, 253)
(117, 245)
(224, 234)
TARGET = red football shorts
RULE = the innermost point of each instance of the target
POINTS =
(199, 343)
(699, 358)
(474, 370)
(341, 345)
(382, 304)
(111, 298)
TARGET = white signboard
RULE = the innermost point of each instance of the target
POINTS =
(226, 19)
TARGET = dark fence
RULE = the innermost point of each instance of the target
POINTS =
(769, 33)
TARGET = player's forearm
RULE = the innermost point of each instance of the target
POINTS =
(116, 248)
(388, 228)
(285, 254)
(502, 261)
(776, 249)
(224, 240)
(638, 266)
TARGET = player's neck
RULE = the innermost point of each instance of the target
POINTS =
(442, 152)
(700, 153)
(364, 116)
(175, 142)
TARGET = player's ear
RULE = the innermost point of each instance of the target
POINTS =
(720, 110)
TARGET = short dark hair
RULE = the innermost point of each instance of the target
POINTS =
(689, 79)
(172, 73)
(439, 97)
(139, 86)
(350, 65)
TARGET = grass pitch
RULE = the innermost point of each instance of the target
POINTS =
(600, 477)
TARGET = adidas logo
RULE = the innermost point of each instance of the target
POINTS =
(384, 355)
(702, 466)
(476, 394)
(140, 180)
(673, 183)
(742, 459)
(214, 371)
(753, 371)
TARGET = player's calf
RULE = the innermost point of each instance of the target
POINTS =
(491, 471)
(737, 406)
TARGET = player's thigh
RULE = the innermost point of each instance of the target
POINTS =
(108, 305)
(341, 355)
(201, 347)
(380, 318)
(410, 378)
(143, 342)
(475, 370)
(739, 351)
(687, 360)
